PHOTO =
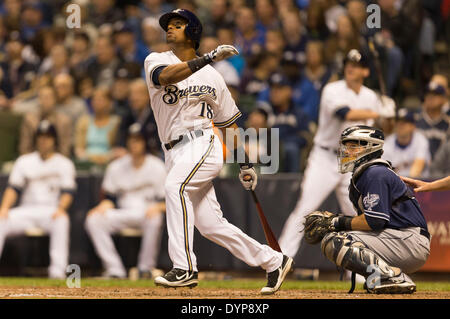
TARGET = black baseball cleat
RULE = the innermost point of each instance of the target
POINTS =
(400, 284)
(178, 278)
(276, 277)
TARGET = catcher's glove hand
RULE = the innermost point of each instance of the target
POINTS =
(317, 225)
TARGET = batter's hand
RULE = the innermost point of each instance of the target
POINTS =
(248, 177)
(222, 52)
(387, 109)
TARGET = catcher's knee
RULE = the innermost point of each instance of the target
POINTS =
(345, 252)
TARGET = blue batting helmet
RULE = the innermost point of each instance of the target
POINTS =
(194, 26)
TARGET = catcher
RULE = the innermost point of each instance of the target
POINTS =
(389, 237)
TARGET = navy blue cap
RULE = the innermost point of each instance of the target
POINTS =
(357, 57)
(46, 128)
(435, 88)
(279, 79)
(121, 26)
(136, 129)
(406, 115)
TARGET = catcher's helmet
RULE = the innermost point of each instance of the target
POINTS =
(370, 142)
(194, 26)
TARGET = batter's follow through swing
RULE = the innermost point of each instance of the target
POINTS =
(187, 95)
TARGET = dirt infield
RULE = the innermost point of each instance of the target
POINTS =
(197, 293)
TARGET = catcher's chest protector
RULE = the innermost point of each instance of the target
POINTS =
(354, 193)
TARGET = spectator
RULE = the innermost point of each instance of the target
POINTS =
(219, 16)
(68, 103)
(313, 78)
(266, 13)
(275, 42)
(47, 111)
(57, 61)
(103, 64)
(129, 48)
(433, 122)
(80, 54)
(291, 122)
(345, 39)
(137, 202)
(152, 33)
(95, 134)
(296, 37)
(46, 182)
(255, 77)
(104, 12)
(443, 81)
(356, 10)
(9, 131)
(121, 88)
(249, 40)
(315, 22)
(32, 19)
(440, 166)
(15, 74)
(154, 8)
(259, 145)
(11, 10)
(141, 113)
(407, 149)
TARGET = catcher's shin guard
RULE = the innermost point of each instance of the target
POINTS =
(342, 250)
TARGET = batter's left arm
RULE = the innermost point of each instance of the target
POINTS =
(247, 175)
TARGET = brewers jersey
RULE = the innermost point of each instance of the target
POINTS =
(190, 104)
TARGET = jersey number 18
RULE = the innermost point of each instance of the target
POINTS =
(209, 112)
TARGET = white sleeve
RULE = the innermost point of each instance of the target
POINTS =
(68, 177)
(332, 100)
(109, 185)
(152, 62)
(226, 112)
(423, 151)
(17, 177)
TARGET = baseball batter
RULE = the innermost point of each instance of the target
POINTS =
(45, 181)
(136, 201)
(187, 95)
(343, 103)
(389, 237)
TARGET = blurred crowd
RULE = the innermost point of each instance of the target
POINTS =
(89, 81)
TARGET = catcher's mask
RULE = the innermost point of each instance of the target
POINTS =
(357, 145)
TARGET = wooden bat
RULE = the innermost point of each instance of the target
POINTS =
(270, 237)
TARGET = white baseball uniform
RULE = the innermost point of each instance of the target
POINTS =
(135, 190)
(41, 184)
(189, 105)
(402, 157)
(321, 175)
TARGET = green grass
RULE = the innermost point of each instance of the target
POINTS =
(225, 284)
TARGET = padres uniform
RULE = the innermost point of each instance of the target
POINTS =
(321, 176)
(133, 195)
(187, 109)
(40, 183)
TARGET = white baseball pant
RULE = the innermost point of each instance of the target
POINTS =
(321, 177)
(22, 218)
(100, 227)
(191, 201)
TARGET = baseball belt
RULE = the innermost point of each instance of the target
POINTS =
(183, 139)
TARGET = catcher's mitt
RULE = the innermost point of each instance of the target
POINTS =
(317, 225)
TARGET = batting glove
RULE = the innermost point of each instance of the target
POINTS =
(248, 183)
(387, 109)
(222, 52)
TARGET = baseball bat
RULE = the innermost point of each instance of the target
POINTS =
(270, 237)
(376, 57)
